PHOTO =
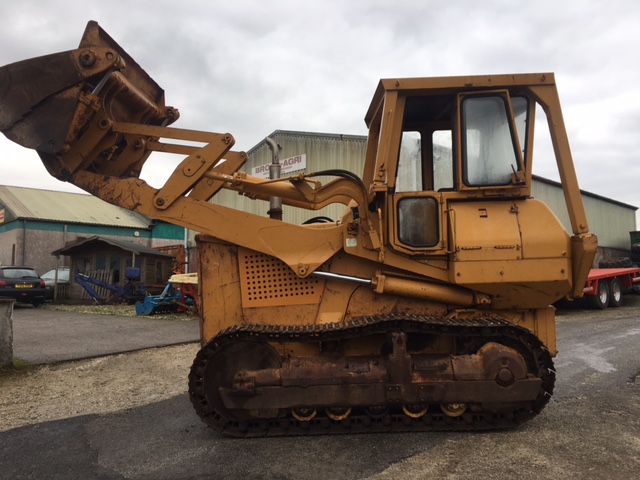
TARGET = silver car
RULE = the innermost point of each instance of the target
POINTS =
(50, 278)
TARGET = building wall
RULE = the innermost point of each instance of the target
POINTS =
(323, 152)
(30, 242)
(11, 242)
(164, 233)
(610, 221)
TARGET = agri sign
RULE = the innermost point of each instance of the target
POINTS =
(287, 166)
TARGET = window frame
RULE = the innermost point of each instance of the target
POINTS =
(517, 176)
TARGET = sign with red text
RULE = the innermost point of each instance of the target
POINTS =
(287, 166)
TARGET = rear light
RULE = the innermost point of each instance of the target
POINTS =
(3, 283)
(42, 284)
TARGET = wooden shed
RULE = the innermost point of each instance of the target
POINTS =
(107, 259)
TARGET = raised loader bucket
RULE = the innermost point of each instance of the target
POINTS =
(48, 103)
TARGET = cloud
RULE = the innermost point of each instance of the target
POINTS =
(250, 67)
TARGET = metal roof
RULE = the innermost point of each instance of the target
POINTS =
(48, 205)
(313, 135)
(92, 243)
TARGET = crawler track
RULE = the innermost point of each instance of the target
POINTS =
(474, 331)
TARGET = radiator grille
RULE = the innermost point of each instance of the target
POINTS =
(267, 281)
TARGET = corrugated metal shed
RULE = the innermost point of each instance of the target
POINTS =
(47, 205)
(322, 151)
(609, 219)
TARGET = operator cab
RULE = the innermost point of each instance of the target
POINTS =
(450, 147)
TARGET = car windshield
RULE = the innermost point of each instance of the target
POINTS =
(19, 273)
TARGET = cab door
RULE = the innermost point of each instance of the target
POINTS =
(456, 153)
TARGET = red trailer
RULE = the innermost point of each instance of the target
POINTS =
(605, 286)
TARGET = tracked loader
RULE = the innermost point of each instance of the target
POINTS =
(427, 306)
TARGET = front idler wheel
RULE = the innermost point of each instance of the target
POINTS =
(224, 365)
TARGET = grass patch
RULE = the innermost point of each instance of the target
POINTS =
(19, 366)
(120, 310)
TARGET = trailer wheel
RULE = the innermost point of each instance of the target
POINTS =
(601, 299)
(615, 290)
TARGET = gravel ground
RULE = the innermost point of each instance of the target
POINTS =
(31, 395)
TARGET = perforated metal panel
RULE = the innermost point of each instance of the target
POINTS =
(267, 281)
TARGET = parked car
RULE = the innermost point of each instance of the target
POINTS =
(50, 279)
(23, 284)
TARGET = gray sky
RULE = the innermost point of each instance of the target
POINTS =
(249, 67)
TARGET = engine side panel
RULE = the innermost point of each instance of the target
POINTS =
(517, 252)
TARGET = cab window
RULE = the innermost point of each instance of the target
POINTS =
(426, 150)
(488, 153)
(416, 221)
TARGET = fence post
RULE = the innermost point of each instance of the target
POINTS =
(6, 332)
